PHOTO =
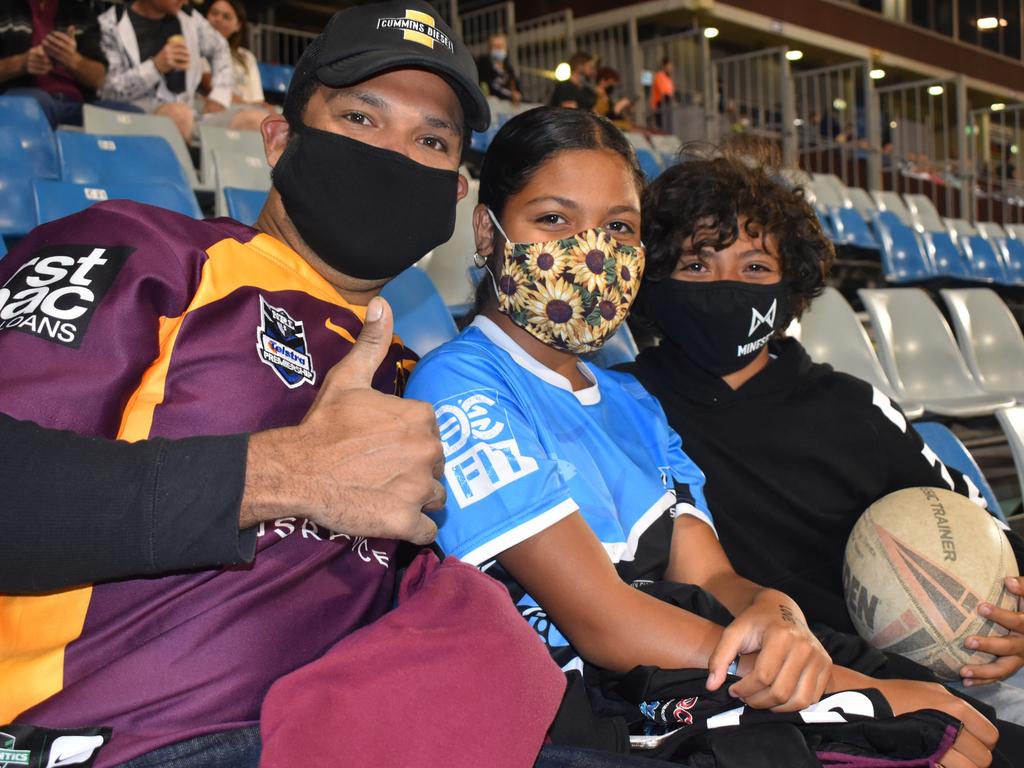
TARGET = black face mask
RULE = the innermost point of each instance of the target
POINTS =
(720, 326)
(368, 212)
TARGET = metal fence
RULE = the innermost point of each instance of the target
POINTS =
(542, 43)
(755, 96)
(924, 142)
(837, 123)
(693, 116)
(480, 25)
(995, 141)
(277, 45)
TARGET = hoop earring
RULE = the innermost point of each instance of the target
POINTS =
(479, 261)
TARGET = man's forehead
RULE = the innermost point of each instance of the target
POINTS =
(438, 105)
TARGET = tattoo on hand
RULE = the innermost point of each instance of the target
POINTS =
(787, 615)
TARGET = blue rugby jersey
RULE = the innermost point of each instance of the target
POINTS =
(524, 451)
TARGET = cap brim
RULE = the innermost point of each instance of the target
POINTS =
(355, 69)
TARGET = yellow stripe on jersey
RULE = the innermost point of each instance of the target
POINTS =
(230, 265)
(34, 631)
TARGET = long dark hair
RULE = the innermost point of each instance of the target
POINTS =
(239, 35)
(524, 144)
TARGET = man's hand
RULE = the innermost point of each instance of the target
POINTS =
(62, 48)
(792, 668)
(1008, 649)
(361, 462)
(37, 63)
(210, 107)
(174, 55)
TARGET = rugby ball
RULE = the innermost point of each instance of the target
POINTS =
(918, 564)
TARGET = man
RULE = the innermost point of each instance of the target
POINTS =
(577, 92)
(496, 74)
(155, 49)
(663, 90)
(133, 322)
(49, 50)
(793, 451)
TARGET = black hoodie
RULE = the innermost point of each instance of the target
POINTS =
(792, 459)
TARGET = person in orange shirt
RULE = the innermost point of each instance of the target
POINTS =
(662, 91)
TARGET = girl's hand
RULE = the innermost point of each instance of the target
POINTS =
(791, 670)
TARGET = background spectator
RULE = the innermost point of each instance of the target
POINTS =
(607, 104)
(496, 73)
(51, 52)
(577, 92)
(663, 89)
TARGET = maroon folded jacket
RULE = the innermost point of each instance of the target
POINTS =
(453, 676)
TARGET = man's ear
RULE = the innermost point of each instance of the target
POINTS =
(463, 189)
(276, 133)
(483, 230)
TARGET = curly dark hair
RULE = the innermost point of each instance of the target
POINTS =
(701, 201)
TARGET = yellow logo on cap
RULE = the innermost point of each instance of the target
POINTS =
(418, 27)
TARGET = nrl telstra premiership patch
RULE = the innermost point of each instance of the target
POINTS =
(28, 745)
(281, 344)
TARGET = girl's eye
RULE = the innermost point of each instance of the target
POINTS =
(759, 268)
(551, 219)
(692, 266)
(620, 226)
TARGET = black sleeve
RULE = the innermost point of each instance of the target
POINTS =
(88, 41)
(75, 510)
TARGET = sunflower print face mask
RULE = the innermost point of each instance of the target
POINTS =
(572, 294)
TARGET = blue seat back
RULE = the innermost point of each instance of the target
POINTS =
(826, 223)
(620, 348)
(22, 117)
(649, 163)
(244, 205)
(57, 199)
(953, 453)
(851, 228)
(17, 211)
(275, 77)
(1014, 252)
(94, 160)
(903, 259)
(3, 248)
(421, 318)
(983, 261)
(946, 257)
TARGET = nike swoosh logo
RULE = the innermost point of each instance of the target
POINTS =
(339, 330)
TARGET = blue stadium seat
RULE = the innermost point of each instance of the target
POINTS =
(17, 211)
(903, 259)
(620, 348)
(244, 205)
(1013, 258)
(94, 160)
(946, 257)
(275, 77)
(57, 199)
(982, 258)
(953, 453)
(649, 163)
(421, 318)
(23, 118)
(826, 223)
(481, 141)
(3, 249)
(851, 229)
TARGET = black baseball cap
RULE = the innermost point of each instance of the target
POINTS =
(366, 40)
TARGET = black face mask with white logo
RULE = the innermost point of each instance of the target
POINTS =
(368, 212)
(720, 326)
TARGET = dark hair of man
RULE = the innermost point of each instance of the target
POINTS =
(578, 59)
(524, 144)
(701, 200)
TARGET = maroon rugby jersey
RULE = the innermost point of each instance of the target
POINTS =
(130, 321)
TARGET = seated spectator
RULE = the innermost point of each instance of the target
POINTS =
(160, 344)
(51, 52)
(577, 92)
(794, 451)
(497, 77)
(154, 50)
(229, 18)
(607, 105)
(564, 480)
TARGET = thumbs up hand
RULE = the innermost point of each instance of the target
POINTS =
(361, 462)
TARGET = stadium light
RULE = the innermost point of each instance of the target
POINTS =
(1014, 149)
(794, 55)
(563, 72)
(893, 124)
(876, 74)
(990, 22)
(936, 90)
(839, 104)
(998, 107)
(710, 32)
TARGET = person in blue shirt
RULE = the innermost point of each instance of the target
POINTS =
(565, 481)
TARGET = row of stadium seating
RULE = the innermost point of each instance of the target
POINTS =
(915, 242)
(52, 174)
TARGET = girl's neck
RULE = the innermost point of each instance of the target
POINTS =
(563, 363)
(738, 378)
